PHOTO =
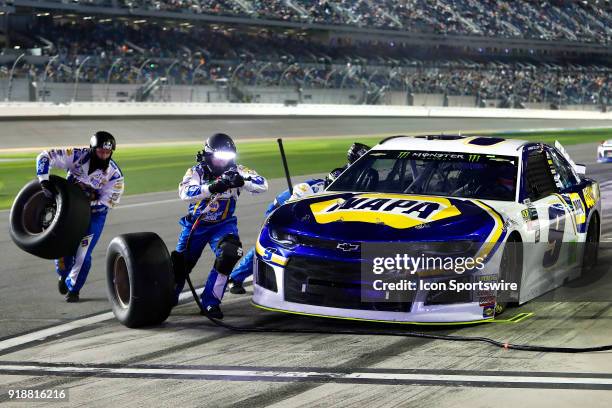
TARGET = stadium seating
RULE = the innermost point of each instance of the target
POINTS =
(549, 20)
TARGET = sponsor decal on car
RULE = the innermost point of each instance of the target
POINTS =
(397, 211)
(270, 255)
(591, 195)
(579, 209)
(486, 300)
(525, 214)
(488, 311)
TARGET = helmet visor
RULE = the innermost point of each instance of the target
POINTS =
(222, 159)
(103, 153)
(224, 155)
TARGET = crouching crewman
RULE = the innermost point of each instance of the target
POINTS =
(212, 188)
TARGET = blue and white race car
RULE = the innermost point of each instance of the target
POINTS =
(475, 193)
(604, 151)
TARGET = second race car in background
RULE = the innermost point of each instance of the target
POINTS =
(604, 151)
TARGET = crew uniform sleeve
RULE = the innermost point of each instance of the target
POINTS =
(191, 187)
(278, 201)
(256, 184)
(54, 158)
(111, 192)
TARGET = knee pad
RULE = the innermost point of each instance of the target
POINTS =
(230, 249)
(178, 264)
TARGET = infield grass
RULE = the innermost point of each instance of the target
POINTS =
(160, 168)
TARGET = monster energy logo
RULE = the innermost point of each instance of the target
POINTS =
(438, 156)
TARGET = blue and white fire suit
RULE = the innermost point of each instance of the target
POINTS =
(215, 219)
(106, 185)
(244, 268)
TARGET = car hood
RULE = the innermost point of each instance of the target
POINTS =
(379, 217)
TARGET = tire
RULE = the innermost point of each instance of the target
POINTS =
(140, 279)
(589, 274)
(46, 228)
(591, 248)
(510, 270)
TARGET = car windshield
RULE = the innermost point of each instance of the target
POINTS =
(465, 175)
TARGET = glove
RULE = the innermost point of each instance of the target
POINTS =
(219, 186)
(233, 178)
(47, 190)
(90, 193)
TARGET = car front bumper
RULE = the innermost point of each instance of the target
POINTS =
(274, 290)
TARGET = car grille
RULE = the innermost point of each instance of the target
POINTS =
(265, 276)
(328, 283)
(329, 244)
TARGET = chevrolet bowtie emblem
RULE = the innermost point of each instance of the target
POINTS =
(346, 246)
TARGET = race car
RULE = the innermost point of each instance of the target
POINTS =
(525, 209)
(604, 151)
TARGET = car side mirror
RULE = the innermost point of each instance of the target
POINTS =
(580, 169)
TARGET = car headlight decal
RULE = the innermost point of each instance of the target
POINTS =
(283, 238)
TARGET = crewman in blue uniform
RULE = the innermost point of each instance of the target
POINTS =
(212, 188)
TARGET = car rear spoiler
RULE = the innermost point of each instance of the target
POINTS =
(578, 168)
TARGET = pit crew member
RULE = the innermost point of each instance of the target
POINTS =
(354, 152)
(212, 188)
(93, 170)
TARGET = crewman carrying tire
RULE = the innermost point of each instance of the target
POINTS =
(101, 180)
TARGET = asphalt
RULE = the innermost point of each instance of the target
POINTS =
(286, 370)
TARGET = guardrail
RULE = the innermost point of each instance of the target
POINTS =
(17, 110)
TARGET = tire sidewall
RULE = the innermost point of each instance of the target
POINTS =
(151, 279)
(63, 236)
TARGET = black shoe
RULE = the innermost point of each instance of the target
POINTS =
(61, 286)
(72, 297)
(237, 289)
(212, 311)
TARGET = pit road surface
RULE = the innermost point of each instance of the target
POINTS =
(190, 362)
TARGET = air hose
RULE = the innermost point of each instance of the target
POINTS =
(413, 334)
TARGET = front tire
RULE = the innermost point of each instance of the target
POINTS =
(510, 270)
(140, 280)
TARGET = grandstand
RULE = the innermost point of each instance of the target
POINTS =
(514, 54)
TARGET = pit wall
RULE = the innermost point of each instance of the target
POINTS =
(16, 110)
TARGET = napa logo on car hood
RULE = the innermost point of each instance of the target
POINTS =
(395, 210)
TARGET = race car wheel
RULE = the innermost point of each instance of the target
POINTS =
(510, 270)
(48, 228)
(591, 247)
(140, 282)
